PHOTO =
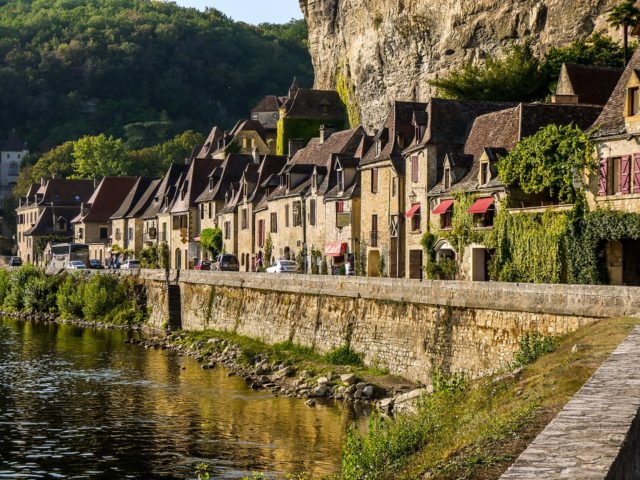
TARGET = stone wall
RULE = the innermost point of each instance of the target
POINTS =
(409, 327)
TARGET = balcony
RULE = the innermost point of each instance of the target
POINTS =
(373, 239)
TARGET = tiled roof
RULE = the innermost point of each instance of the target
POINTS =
(349, 192)
(229, 170)
(13, 143)
(169, 180)
(309, 103)
(592, 84)
(61, 191)
(45, 223)
(344, 143)
(133, 197)
(106, 199)
(211, 143)
(270, 103)
(611, 120)
(270, 165)
(194, 183)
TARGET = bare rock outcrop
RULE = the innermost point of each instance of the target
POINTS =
(390, 49)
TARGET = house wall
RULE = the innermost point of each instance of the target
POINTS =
(119, 233)
(262, 215)
(246, 239)
(26, 244)
(287, 237)
(349, 234)
(316, 234)
(230, 244)
(426, 176)
(182, 240)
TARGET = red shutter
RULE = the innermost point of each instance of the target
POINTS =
(625, 174)
(602, 185)
(636, 173)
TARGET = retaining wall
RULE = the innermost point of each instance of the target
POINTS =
(407, 326)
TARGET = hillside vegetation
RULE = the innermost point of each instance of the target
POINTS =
(140, 68)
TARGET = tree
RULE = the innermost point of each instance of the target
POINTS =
(548, 161)
(514, 77)
(100, 156)
(625, 15)
(211, 240)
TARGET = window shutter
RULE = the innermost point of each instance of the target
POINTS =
(602, 186)
(625, 173)
(636, 173)
(414, 169)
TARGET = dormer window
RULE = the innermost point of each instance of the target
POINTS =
(314, 180)
(378, 147)
(340, 181)
(288, 181)
(210, 184)
(447, 178)
(485, 173)
(400, 139)
(633, 101)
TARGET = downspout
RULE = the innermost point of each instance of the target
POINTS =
(303, 213)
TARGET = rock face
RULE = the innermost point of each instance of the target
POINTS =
(390, 49)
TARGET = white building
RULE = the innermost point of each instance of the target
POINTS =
(12, 153)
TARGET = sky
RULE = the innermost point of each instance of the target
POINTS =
(251, 11)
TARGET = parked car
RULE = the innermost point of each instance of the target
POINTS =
(95, 264)
(15, 262)
(130, 265)
(283, 266)
(226, 263)
(76, 265)
(203, 265)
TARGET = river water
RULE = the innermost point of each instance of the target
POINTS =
(80, 403)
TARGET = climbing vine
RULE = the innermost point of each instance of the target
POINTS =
(547, 161)
(347, 94)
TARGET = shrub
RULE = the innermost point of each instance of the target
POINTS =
(39, 293)
(344, 355)
(18, 278)
(101, 297)
(70, 297)
(4, 284)
(445, 269)
(533, 346)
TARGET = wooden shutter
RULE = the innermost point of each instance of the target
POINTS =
(602, 185)
(636, 173)
(625, 173)
(414, 169)
(374, 223)
(374, 180)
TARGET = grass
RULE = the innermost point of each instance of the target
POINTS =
(475, 431)
(339, 360)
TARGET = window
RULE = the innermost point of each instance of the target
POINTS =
(117, 235)
(446, 219)
(633, 101)
(400, 139)
(286, 215)
(312, 213)
(254, 116)
(340, 181)
(374, 180)
(297, 214)
(130, 237)
(261, 234)
(104, 233)
(227, 230)
(80, 232)
(447, 178)
(373, 241)
(274, 222)
(210, 209)
(245, 219)
(485, 173)
(415, 222)
(378, 147)
(246, 142)
(394, 186)
(415, 177)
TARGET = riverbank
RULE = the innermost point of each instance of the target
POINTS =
(291, 370)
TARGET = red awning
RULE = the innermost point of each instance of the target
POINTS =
(481, 205)
(442, 207)
(413, 210)
(335, 249)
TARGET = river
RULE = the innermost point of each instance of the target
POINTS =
(79, 403)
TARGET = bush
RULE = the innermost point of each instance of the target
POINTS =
(101, 297)
(533, 346)
(4, 285)
(445, 269)
(39, 293)
(344, 355)
(18, 278)
(70, 297)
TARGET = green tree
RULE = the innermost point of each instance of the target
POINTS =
(211, 240)
(548, 161)
(100, 156)
(625, 15)
(513, 77)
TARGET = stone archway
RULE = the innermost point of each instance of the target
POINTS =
(373, 261)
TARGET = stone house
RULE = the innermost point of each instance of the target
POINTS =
(382, 191)
(91, 225)
(156, 217)
(254, 188)
(617, 183)
(586, 84)
(267, 112)
(184, 221)
(302, 113)
(473, 171)
(45, 214)
(440, 129)
(214, 195)
(127, 223)
(247, 137)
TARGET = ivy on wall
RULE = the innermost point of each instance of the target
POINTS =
(303, 129)
(347, 94)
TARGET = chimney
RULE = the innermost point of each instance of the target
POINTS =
(325, 132)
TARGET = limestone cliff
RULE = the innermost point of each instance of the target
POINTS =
(389, 49)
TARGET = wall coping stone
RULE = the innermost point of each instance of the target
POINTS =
(595, 436)
(591, 301)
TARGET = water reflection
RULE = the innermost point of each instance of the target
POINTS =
(79, 403)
